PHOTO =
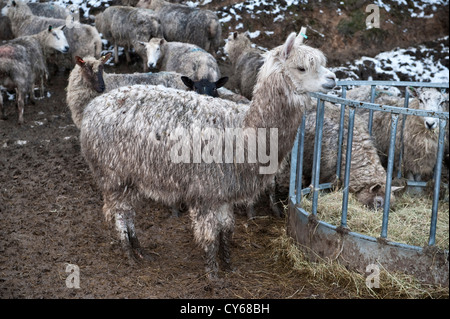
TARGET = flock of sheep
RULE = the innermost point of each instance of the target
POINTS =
(126, 121)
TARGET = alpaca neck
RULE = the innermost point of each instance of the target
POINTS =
(275, 105)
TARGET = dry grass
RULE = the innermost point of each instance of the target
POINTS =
(409, 219)
(327, 273)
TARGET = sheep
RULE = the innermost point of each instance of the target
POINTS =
(204, 86)
(367, 175)
(130, 139)
(420, 135)
(184, 58)
(125, 26)
(49, 10)
(246, 62)
(22, 62)
(83, 39)
(5, 25)
(185, 24)
(88, 80)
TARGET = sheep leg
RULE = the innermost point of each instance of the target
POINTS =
(127, 54)
(20, 105)
(116, 54)
(2, 107)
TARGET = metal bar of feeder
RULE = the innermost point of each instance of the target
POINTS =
(437, 183)
(301, 149)
(317, 154)
(348, 156)
(390, 167)
(341, 134)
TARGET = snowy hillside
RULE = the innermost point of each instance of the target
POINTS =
(424, 62)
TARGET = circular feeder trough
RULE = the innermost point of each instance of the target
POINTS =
(321, 240)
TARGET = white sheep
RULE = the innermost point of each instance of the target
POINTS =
(246, 62)
(22, 63)
(184, 58)
(420, 134)
(83, 39)
(126, 26)
(182, 23)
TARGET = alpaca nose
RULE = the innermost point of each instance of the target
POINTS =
(430, 125)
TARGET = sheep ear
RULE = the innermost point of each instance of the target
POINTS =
(106, 57)
(188, 82)
(288, 46)
(142, 43)
(375, 188)
(79, 61)
(221, 82)
(162, 41)
(396, 188)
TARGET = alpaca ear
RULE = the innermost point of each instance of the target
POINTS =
(288, 46)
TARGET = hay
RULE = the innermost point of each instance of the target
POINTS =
(327, 273)
(409, 219)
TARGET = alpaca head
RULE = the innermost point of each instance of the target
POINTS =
(92, 71)
(304, 65)
(430, 100)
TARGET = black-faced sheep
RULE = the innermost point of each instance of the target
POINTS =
(130, 137)
(22, 63)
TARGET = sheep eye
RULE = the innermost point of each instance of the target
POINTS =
(301, 69)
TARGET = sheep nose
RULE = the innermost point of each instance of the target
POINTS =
(378, 202)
